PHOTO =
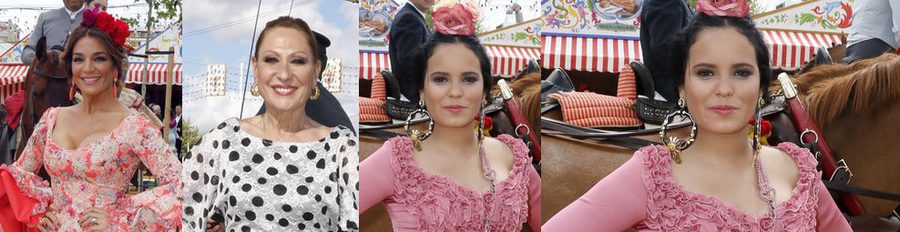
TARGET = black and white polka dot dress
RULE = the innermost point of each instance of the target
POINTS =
(253, 184)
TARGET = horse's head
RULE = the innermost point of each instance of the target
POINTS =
(47, 74)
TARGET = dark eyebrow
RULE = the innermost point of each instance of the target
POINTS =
(743, 65)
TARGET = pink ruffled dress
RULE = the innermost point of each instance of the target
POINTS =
(643, 194)
(419, 201)
(95, 175)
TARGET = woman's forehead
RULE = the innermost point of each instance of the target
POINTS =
(723, 46)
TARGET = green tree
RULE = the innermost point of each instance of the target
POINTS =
(162, 10)
(190, 136)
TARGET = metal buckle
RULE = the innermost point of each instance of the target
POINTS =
(841, 164)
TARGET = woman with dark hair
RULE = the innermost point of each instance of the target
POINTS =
(91, 149)
(718, 179)
(452, 177)
(280, 170)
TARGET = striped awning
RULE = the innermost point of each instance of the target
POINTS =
(158, 73)
(12, 73)
(509, 61)
(790, 50)
(371, 63)
(588, 54)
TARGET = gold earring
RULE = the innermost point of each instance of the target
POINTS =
(254, 90)
(761, 102)
(315, 95)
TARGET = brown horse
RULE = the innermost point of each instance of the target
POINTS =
(46, 85)
(526, 89)
(856, 107)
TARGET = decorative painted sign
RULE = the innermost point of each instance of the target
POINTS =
(834, 16)
(331, 76)
(592, 17)
(375, 18)
(524, 34)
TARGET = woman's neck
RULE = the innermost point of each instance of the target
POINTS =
(283, 124)
(732, 149)
(461, 140)
(102, 102)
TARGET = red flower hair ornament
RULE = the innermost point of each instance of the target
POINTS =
(116, 29)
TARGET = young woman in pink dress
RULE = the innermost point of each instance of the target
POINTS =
(455, 179)
(717, 180)
(92, 149)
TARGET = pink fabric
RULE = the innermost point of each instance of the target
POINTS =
(418, 201)
(642, 194)
(97, 175)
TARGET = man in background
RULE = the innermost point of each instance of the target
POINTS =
(55, 25)
(407, 33)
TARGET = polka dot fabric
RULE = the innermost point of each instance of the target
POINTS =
(255, 184)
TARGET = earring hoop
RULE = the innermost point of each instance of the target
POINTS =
(674, 144)
(254, 89)
(418, 136)
(315, 95)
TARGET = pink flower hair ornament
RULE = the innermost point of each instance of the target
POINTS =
(454, 19)
(726, 8)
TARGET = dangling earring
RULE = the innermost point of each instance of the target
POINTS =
(315, 93)
(254, 90)
(480, 129)
(757, 128)
(674, 144)
(115, 90)
(416, 135)
(72, 91)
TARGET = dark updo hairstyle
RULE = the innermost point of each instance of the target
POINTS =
(116, 53)
(291, 23)
(427, 50)
(682, 42)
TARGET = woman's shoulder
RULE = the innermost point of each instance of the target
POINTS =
(787, 160)
(506, 149)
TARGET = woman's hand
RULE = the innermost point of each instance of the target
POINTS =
(48, 222)
(94, 219)
(214, 226)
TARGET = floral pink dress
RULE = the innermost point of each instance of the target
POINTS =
(419, 201)
(643, 194)
(98, 174)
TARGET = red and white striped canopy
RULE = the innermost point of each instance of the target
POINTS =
(509, 61)
(589, 54)
(158, 73)
(371, 63)
(12, 76)
(12, 73)
(789, 50)
(505, 61)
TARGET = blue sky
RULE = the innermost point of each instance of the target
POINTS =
(228, 39)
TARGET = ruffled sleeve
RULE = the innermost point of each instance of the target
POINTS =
(376, 176)
(26, 193)
(617, 202)
(349, 183)
(158, 208)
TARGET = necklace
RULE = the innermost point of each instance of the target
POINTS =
(766, 192)
(490, 175)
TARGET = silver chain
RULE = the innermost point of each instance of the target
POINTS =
(767, 194)
(490, 175)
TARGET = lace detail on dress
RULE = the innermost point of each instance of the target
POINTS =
(442, 205)
(671, 208)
